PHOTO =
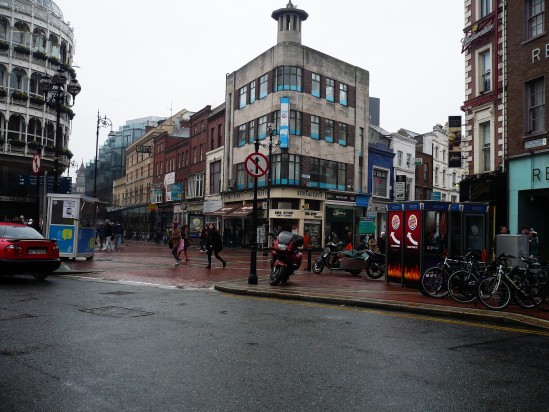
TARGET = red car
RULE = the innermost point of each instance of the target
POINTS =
(25, 251)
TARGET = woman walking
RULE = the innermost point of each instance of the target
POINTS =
(184, 243)
(176, 239)
(214, 245)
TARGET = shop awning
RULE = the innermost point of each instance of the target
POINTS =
(224, 210)
(242, 210)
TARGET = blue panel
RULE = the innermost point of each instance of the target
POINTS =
(454, 207)
(412, 206)
(343, 102)
(395, 206)
(343, 142)
(329, 139)
(363, 200)
(436, 206)
(467, 207)
(314, 136)
(86, 240)
(64, 235)
(316, 94)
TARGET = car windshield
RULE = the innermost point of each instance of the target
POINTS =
(19, 232)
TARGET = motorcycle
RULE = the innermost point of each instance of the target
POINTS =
(350, 261)
(286, 256)
(375, 264)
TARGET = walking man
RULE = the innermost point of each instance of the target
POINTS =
(109, 236)
(118, 233)
(176, 238)
(214, 245)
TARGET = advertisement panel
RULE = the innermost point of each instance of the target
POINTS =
(394, 246)
(284, 131)
(412, 246)
(454, 141)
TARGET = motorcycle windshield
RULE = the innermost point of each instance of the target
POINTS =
(288, 237)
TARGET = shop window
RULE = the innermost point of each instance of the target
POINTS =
(286, 169)
(379, 182)
(288, 78)
(215, 177)
(326, 174)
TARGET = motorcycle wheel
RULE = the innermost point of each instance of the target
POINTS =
(276, 276)
(375, 270)
(355, 272)
(318, 266)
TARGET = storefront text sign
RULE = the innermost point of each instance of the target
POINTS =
(538, 53)
(283, 213)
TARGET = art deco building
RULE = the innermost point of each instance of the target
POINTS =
(318, 108)
(35, 41)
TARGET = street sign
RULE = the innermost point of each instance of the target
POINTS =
(36, 163)
(400, 187)
(256, 164)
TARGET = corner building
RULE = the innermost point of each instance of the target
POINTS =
(314, 109)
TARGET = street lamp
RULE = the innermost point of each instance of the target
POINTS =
(270, 128)
(101, 122)
(60, 88)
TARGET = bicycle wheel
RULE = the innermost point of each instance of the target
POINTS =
(462, 286)
(541, 299)
(494, 294)
(434, 282)
(528, 292)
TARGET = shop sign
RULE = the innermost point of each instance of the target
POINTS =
(537, 53)
(341, 197)
(535, 143)
(313, 214)
(283, 213)
(309, 194)
(377, 208)
(339, 214)
(538, 176)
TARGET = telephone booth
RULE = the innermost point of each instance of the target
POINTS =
(421, 234)
(71, 222)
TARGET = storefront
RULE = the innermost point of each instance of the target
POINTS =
(529, 196)
(340, 220)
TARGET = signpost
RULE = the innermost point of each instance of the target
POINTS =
(256, 165)
(400, 187)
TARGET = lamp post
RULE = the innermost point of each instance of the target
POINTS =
(101, 122)
(270, 127)
(60, 88)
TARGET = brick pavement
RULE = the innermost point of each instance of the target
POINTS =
(153, 264)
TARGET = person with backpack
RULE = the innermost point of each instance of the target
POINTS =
(214, 245)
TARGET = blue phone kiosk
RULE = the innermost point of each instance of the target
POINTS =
(71, 222)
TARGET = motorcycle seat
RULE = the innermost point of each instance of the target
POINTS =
(354, 254)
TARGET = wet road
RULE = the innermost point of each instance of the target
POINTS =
(85, 345)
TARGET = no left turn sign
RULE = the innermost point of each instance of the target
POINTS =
(36, 163)
(256, 164)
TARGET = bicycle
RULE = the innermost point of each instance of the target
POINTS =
(463, 284)
(434, 281)
(520, 284)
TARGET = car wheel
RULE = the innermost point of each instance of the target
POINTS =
(41, 276)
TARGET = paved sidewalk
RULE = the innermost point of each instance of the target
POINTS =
(150, 263)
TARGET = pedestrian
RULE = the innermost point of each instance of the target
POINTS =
(109, 236)
(372, 244)
(533, 243)
(525, 231)
(118, 231)
(503, 230)
(214, 245)
(204, 239)
(184, 243)
(101, 235)
(335, 238)
(381, 243)
(175, 238)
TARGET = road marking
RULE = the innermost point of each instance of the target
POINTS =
(400, 315)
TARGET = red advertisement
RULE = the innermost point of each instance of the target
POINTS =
(412, 248)
(395, 226)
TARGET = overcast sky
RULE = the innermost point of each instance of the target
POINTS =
(139, 58)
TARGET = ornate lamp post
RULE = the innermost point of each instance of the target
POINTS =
(101, 122)
(60, 88)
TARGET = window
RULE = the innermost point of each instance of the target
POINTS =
(436, 152)
(195, 155)
(315, 127)
(399, 158)
(444, 155)
(327, 174)
(315, 86)
(241, 135)
(379, 182)
(219, 133)
(243, 97)
(330, 90)
(215, 177)
(201, 152)
(251, 131)
(212, 140)
(485, 7)
(252, 92)
(484, 136)
(535, 13)
(426, 172)
(443, 177)
(295, 122)
(484, 71)
(343, 94)
(408, 160)
(342, 133)
(535, 90)
(262, 132)
(329, 130)
(436, 176)
(285, 169)
(454, 179)
(195, 186)
(288, 78)
(263, 86)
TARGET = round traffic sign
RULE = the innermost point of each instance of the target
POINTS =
(36, 163)
(256, 164)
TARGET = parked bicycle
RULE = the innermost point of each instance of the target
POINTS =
(520, 284)
(434, 281)
(463, 284)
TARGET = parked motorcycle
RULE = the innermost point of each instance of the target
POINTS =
(350, 261)
(286, 256)
(375, 264)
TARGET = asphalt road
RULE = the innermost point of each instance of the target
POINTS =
(68, 345)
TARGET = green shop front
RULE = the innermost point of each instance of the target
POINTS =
(339, 220)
